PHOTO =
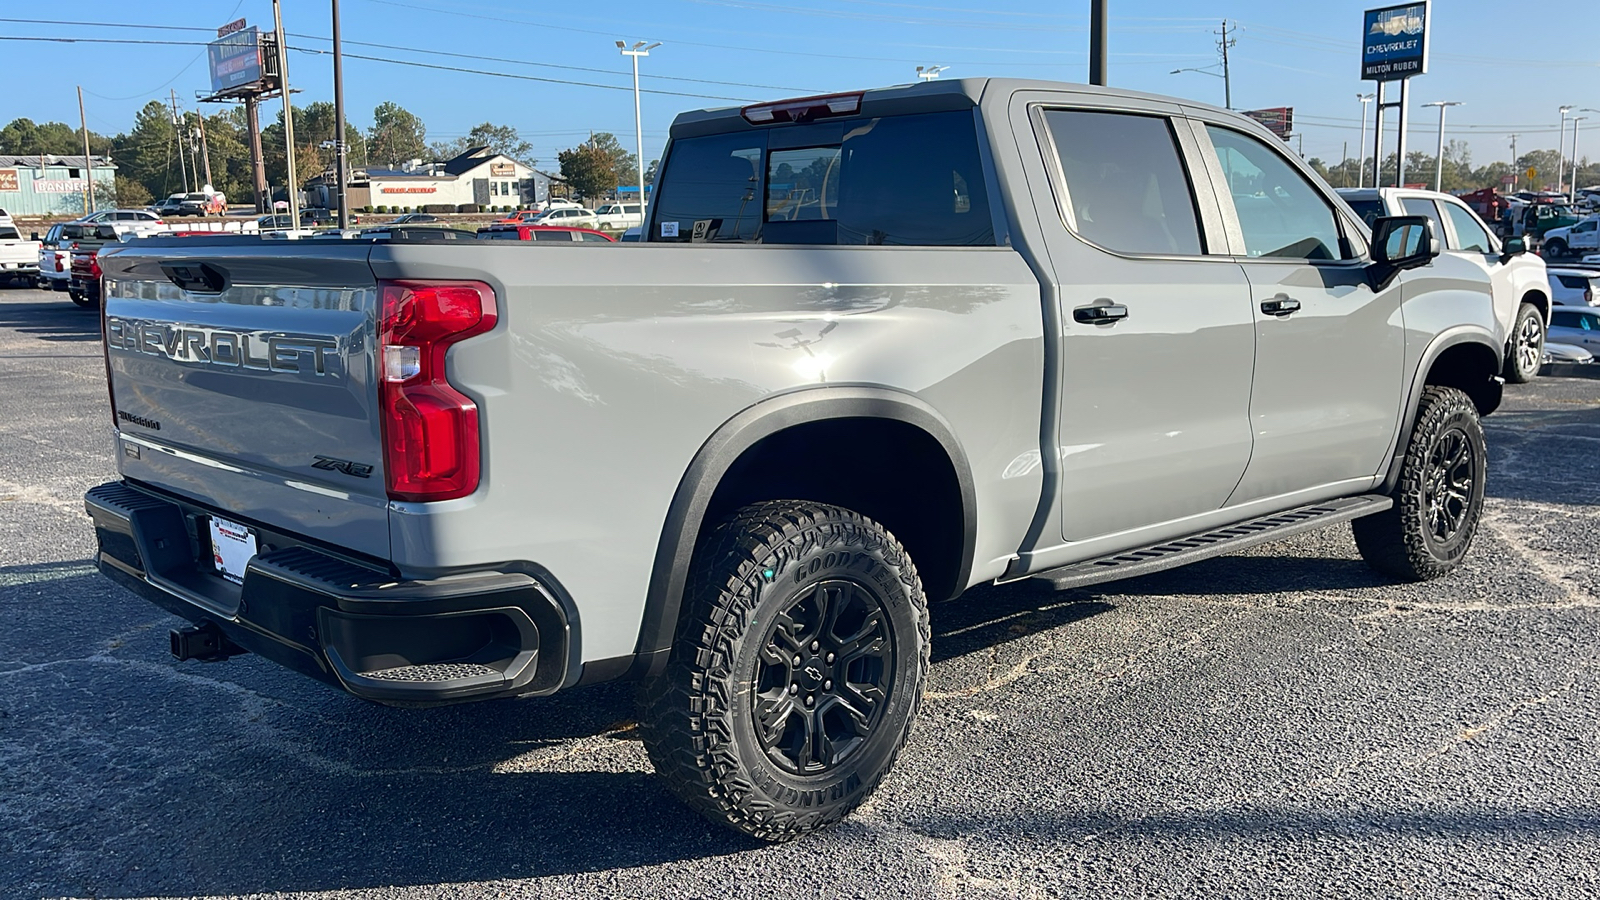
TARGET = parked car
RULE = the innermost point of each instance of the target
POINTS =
(572, 216)
(632, 235)
(1566, 354)
(618, 217)
(543, 233)
(19, 259)
(415, 219)
(126, 221)
(83, 287)
(1574, 287)
(521, 216)
(1578, 327)
(739, 473)
(5, 217)
(1522, 297)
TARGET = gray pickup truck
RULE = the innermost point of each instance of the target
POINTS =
(875, 348)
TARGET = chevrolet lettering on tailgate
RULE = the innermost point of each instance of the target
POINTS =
(217, 347)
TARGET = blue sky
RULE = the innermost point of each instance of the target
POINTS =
(1304, 55)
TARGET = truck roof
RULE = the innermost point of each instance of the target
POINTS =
(929, 96)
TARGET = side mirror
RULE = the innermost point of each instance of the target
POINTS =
(1513, 247)
(1400, 243)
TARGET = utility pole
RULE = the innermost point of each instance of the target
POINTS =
(1515, 172)
(1097, 41)
(1561, 149)
(1227, 40)
(288, 117)
(205, 148)
(88, 162)
(177, 135)
(340, 170)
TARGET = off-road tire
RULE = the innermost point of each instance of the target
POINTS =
(1555, 248)
(750, 577)
(1526, 348)
(1435, 492)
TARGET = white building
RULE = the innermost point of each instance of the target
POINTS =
(479, 176)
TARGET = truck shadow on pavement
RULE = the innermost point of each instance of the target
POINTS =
(50, 320)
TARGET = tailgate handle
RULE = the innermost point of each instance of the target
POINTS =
(203, 278)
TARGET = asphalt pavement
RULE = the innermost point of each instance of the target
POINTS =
(1279, 723)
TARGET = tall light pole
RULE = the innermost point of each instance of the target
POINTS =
(1227, 91)
(1561, 148)
(929, 73)
(1361, 148)
(1099, 21)
(288, 118)
(1438, 162)
(1575, 120)
(640, 48)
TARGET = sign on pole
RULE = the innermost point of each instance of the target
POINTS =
(1394, 43)
(1532, 173)
(235, 58)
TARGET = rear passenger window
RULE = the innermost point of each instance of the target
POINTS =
(1125, 182)
(1280, 213)
(553, 236)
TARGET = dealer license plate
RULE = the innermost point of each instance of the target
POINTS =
(232, 545)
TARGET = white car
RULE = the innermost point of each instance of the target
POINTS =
(138, 222)
(1575, 287)
(1522, 292)
(569, 216)
(1566, 354)
(1579, 327)
(614, 217)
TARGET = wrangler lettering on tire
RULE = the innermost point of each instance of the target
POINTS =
(798, 668)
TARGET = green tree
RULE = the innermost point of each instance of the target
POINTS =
(22, 137)
(626, 164)
(397, 136)
(590, 172)
(145, 154)
(129, 192)
(499, 138)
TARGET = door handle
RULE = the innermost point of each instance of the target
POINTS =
(1280, 306)
(1096, 315)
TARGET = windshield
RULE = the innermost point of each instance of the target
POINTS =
(1368, 210)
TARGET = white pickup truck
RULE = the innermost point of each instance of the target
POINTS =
(19, 259)
(615, 218)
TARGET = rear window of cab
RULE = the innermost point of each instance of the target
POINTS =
(913, 180)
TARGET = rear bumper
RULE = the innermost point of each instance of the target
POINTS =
(464, 636)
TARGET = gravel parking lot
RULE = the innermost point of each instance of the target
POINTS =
(1275, 723)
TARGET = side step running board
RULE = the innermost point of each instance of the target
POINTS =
(1181, 552)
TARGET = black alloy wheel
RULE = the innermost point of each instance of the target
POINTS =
(1439, 499)
(825, 669)
(798, 668)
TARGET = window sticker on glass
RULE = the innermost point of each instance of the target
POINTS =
(669, 229)
(704, 230)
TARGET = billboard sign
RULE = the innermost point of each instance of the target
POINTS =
(235, 60)
(230, 28)
(8, 180)
(1279, 119)
(1394, 42)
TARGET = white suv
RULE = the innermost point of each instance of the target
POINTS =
(1521, 290)
(571, 217)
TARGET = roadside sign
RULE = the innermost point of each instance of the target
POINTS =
(235, 59)
(1508, 179)
(1532, 173)
(1394, 42)
(1279, 119)
(230, 28)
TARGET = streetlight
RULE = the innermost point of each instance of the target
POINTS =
(1438, 169)
(1561, 146)
(929, 73)
(1227, 86)
(640, 48)
(1573, 197)
(1361, 165)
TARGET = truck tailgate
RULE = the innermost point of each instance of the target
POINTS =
(252, 386)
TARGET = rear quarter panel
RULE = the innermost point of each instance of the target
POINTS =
(612, 365)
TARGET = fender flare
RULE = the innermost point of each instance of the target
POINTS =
(1450, 337)
(680, 533)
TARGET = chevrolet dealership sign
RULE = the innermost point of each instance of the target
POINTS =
(1394, 43)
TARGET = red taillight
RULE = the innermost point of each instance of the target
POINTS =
(94, 265)
(430, 430)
